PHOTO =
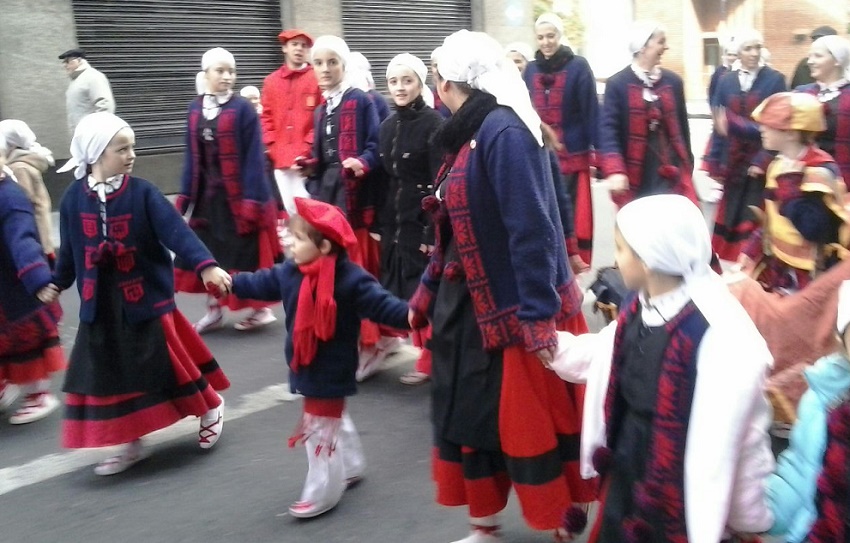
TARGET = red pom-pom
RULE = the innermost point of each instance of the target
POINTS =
(603, 457)
(430, 204)
(574, 520)
(453, 271)
(669, 172)
(104, 255)
(638, 531)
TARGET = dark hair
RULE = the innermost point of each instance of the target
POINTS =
(463, 86)
(296, 221)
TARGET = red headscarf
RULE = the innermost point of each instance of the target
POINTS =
(315, 318)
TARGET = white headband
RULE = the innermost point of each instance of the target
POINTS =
(217, 56)
(334, 44)
(92, 136)
(640, 33)
(478, 60)
(415, 65)
(17, 134)
(551, 19)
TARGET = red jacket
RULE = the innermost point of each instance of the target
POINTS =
(289, 98)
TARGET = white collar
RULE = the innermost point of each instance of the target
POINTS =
(650, 77)
(334, 96)
(213, 102)
(108, 186)
(659, 310)
(828, 92)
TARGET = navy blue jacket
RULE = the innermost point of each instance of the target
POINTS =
(140, 219)
(23, 268)
(358, 296)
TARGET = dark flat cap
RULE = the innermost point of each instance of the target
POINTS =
(822, 31)
(73, 53)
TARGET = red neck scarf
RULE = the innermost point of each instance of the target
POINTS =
(315, 316)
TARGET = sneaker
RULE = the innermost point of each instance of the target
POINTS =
(414, 378)
(488, 535)
(308, 509)
(211, 321)
(132, 455)
(211, 426)
(35, 407)
(8, 395)
(256, 319)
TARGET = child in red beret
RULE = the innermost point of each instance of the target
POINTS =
(325, 295)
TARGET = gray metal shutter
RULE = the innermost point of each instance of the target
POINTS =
(381, 29)
(151, 50)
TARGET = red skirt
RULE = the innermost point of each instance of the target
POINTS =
(29, 346)
(101, 421)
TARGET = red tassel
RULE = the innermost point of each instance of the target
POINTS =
(430, 204)
(602, 460)
(574, 520)
(669, 172)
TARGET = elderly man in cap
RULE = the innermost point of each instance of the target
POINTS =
(290, 94)
(802, 74)
(89, 90)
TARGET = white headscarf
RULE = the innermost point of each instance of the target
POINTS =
(478, 60)
(522, 48)
(839, 48)
(17, 134)
(414, 64)
(668, 233)
(551, 19)
(640, 34)
(249, 91)
(334, 44)
(359, 72)
(748, 37)
(201, 82)
(217, 55)
(92, 136)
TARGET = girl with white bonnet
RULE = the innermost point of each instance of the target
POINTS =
(342, 167)
(225, 193)
(520, 54)
(412, 163)
(29, 317)
(137, 365)
(497, 287)
(28, 161)
(829, 62)
(563, 91)
(644, 136)
(738, 162)
(675, 418)
(252, 94)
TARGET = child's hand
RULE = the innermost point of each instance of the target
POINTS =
(217, 281)
(48, 294)
(355, 166)
(546, 355)
(416, 320)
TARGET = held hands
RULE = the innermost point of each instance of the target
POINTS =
(754, 171)
(217, 281)
(355, 166)
(546, 355)
(721, 123)
(48, 294)
(578, 265)
(426, 249)
(617, 182)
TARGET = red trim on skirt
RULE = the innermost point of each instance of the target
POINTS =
(420, 339)
(100, 421)
(484, 496)
(30, 346)
(583, 216)
(40, 366)
(370, 259)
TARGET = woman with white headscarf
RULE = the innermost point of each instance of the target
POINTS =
(737, 159)
(644, 136)
(675, 418)
(563, 91)
(29, 336)
(411, 161)
(829, 62)
(225, 192)
(497, 287)
(29, 161)
(137, 365)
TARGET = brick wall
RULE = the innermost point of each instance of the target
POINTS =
(671, 15)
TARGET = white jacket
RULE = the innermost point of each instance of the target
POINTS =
(727, 456)
(88, 92)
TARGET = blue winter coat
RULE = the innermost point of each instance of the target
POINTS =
(791, 490)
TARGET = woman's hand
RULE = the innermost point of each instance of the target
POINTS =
(48, 294)
(355, 166)
(426, 249)
(217, 280)
(578, 265)
(721, 123)
(617, 182)
(546, 355)
(754, 171)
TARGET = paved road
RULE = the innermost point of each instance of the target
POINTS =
(240, 490)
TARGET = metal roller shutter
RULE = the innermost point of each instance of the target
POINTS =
(151, 50)
(381, 29)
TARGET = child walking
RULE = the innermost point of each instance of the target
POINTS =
(804, 228)
(792, 490)
(137, 363)
(325, 296)
(29, 335)
(675, 419)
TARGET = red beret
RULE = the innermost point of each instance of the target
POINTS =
(328, 220)
(287, 35)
